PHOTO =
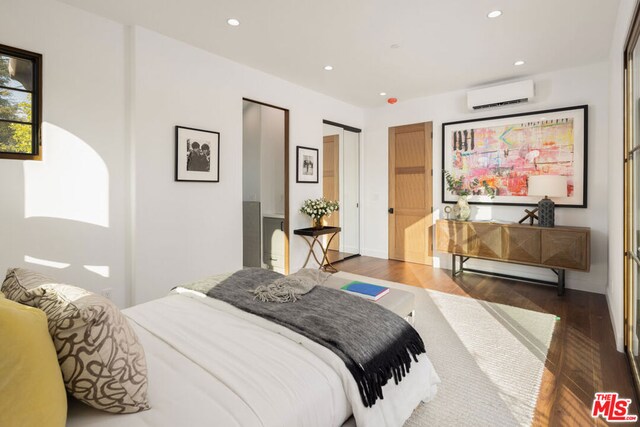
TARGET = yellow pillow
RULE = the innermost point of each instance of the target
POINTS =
(31, 389)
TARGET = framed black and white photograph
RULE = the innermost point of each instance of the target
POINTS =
(197, 155)
(307, 165)
(493, 160)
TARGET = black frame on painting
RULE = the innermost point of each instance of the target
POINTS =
(298, 148)
(36, 104)
(177, 130)
(585, 111)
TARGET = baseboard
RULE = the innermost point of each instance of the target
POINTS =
(351, 249)
(618, 335)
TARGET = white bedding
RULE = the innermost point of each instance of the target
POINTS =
(212, 364)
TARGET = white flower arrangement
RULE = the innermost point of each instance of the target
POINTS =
(317, 208)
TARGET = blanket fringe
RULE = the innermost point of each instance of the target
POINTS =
(275, 292)
(395, 363)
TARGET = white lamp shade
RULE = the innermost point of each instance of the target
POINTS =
(547, 185)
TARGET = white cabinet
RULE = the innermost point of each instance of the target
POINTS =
(273, 239)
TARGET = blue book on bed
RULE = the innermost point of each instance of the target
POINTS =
(366, 290)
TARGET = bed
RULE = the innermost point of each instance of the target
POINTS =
(210, 363)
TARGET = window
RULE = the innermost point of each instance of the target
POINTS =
(20, 104)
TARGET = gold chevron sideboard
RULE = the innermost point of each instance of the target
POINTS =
(557, 248)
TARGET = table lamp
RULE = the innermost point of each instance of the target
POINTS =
(547, 186)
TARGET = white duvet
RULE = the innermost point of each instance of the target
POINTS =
(211, 364)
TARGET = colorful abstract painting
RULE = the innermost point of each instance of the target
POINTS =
(504, 152)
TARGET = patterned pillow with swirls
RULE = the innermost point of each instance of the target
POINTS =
(25, 286)
(103, 364)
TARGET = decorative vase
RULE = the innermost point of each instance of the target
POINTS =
(464, 210)
(319, 222)
(546, 216)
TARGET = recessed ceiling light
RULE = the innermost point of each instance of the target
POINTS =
(233, 22)
(518, 63)
(328, 68)
(494, 14)
(383, 93)
(394, 46)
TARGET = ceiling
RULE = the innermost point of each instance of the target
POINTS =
(441, 45)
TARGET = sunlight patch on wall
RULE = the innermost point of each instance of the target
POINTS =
(71, 182)
(100, 270)
(45, 262)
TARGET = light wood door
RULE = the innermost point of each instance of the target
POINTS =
(411, 193)
(331, 180)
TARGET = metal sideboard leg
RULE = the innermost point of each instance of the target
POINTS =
(453, 265)
(561, 282)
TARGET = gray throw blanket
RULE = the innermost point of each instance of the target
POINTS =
(374, 343)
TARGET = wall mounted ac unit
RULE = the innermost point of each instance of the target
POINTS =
(495, 96)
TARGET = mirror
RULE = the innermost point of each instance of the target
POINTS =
(341, 182)
(264, 190)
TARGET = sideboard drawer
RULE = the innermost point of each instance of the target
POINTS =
(484, 240)
(451, 236)
(565, 249)
(521, 244)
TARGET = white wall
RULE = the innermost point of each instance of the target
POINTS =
(583, 85)
(70, 208)
(615, 288)
(184, 231)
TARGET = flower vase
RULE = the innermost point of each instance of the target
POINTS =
(464, 210)
(319, 223)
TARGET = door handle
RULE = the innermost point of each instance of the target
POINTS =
(281, 225)
(390, 210)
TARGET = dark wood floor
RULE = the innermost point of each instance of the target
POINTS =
(582, 359)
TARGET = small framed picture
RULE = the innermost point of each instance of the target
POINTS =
(307, 165)
(197, 155)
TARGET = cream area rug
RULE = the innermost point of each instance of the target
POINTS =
(490, 358)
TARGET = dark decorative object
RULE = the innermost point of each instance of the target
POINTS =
(20, 104)
(197, 155)
(307, 165)
(547, 185)
(503, 152)
(546, 215)
(531, 215)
